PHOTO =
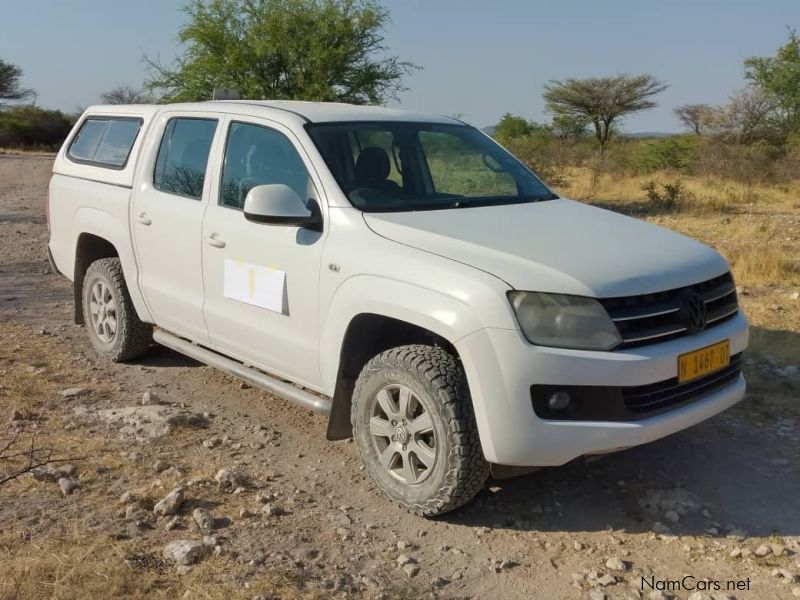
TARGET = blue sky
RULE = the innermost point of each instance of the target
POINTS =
(480, 59)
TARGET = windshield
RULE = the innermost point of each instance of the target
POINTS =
(401, 166)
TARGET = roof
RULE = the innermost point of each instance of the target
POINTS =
(315, 112)
(327, 112)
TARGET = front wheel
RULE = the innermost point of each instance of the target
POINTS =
(415, 430)
(114, 328)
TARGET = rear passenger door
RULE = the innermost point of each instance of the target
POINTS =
(170, 197)
(262, 280)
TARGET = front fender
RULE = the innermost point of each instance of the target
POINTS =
(445, 316)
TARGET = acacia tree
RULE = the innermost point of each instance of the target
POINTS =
(9, 83)
(125, 94)
(694, 116)
(778, 78)
(328, 50)
(602, 101)
(567, 127)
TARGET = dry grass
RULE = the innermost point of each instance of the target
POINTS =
(755, 227)
(705, 195)
(72, 563)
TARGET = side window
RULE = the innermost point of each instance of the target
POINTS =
(183, 156)
(476, 174)
(105, 142)
(256, 155)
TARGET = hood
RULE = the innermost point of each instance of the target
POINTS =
(557, 246)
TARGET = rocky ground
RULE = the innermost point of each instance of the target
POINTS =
(173, 480)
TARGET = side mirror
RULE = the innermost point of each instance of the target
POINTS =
(276, 204)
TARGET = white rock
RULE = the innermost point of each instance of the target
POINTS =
(597, 595)
(170, 504)
(271, 510)
(231, 479)
(762, 551)
(203, 519)
(67, 485)
(147, 422)
(46, 473)
(186, 552)
(212, 443)
(616, 564)
(149, 398)
(606, 580)
(411, 569)
(404, 560)
(76, 392)
(796, 591)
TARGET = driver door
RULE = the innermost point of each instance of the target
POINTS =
(262, 280)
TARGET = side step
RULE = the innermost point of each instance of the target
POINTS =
(253, 376)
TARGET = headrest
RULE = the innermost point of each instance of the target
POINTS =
(373, 164)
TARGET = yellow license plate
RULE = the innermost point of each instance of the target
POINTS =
(703, 361)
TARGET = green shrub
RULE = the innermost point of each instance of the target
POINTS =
(669, 198)
(676, 153)
(30, 127)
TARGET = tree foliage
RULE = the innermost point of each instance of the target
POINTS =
(745, 119)
(602, 101)
(9, 83)
(323, 50)
(569, 127)
(125, 94)
(694, 116)
(778, 77)
(512, 126)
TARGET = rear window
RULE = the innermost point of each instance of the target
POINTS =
(105, 141)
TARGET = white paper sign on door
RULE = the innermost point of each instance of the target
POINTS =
(254, 284)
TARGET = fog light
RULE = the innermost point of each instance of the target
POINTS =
(559, 401)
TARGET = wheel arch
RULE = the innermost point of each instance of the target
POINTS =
(367, 335)
(102, 235)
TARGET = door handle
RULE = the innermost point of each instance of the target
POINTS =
(144, 219)
(213, 240)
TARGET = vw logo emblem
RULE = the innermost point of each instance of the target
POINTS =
(693, 312)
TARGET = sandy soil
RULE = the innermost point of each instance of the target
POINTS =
(718, 502)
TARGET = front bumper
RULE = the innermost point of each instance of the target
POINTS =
(501, 366)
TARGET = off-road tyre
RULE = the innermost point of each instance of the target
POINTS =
(132, 337)
(437, 380)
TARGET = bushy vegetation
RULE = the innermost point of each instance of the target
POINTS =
(32, 128)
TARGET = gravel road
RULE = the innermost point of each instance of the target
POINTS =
(705, 502)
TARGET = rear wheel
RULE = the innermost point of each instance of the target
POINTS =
(413, 423)
(114, 328)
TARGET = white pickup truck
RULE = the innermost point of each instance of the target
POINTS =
(400, 272)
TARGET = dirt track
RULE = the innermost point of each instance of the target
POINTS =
(736, 475)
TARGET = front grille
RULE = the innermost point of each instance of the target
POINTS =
(652, 318)
(669, 393)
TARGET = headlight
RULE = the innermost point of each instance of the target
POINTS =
(564, 321)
